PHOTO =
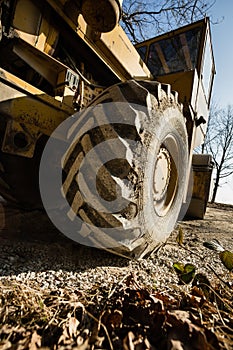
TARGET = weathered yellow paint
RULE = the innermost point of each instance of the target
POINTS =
(113, 48)
(22, 87)
(28, 105)
(200, 183)
(27, 18)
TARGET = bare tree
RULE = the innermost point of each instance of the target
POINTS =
(144, 19)
(219, 143)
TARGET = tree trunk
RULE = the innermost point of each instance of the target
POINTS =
(216, 185)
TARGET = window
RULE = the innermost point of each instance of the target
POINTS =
(142, 52)
(179, 53)
(207, 72)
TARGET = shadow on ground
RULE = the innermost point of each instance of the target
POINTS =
(29, 241)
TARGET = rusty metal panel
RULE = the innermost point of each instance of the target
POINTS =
(15, 87)
(45, 65)
(27, 109)
(27, 20)
(29, 113)
(202, 167)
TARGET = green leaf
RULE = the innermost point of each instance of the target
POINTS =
(178, 267)
(189, 268)
(186, 272)
(227, 259)
(189, 273)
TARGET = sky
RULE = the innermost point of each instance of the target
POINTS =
(222, 12)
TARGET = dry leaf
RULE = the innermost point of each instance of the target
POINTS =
(175, 345)
(35, 341)
(128, 342)
(73, 326)
(214, 244)
(180, 236)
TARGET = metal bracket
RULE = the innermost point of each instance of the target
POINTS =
(200, 120)
(20, 139)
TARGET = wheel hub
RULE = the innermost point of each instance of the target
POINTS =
(162, 174)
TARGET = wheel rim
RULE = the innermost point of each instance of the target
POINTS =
(165, 179)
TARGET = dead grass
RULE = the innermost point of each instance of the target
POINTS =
(127, 316)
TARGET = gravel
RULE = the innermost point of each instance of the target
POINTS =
(50, 264)
(53, 267)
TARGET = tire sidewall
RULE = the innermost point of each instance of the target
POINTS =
(168, 122)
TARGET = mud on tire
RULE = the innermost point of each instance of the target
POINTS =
(124, 172)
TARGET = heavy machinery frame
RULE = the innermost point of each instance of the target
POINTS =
(57, 58)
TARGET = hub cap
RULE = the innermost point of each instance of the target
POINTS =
(165, 177)
(162, 174)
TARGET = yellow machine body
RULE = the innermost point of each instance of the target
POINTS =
(58, 56)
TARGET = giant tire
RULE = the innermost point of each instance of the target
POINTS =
(150, 135)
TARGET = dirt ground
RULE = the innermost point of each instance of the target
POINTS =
(25, 236)
(55, 294)
(35, 226)
(218, 224)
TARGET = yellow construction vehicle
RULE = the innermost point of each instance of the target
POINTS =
(70, 60)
